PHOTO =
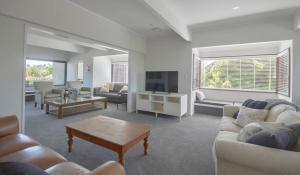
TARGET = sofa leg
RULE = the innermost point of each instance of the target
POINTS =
(42, 106)
(35, 104)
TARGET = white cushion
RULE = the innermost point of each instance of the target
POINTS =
(105, 88)
(200, 95)
(289, 117)
(124, 89)
(277, 110)
(248, 115)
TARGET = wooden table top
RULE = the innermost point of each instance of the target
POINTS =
(113, 130)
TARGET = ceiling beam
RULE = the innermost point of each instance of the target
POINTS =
(171, 19)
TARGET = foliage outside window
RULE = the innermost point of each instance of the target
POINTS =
(120, 72)
(256, 73)
(38, 71)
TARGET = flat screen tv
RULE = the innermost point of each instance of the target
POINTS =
(162, 81)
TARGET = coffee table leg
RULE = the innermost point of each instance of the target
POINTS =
(146, 145)
(47, 108)
(121, 158)
(60, 112)
(105, 104)
(70, 140)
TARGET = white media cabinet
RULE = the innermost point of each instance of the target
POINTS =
(162, 103)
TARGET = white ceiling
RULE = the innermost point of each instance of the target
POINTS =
(179, 15)
(201, 11)
(133, 14)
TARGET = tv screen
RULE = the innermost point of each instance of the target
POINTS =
(162, 81)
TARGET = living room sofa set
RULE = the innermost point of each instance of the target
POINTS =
(17, 147)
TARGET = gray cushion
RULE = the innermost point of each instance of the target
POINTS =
(118, 87)
(280, 138)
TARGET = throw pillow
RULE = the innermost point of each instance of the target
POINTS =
(252, 128)
(124, 89)
(18, 168)
(200, 95)
(289, 117)
(253, 104)
(105, 88)
(280, 138)
(248, 115)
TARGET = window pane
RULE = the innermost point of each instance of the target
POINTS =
(38, 71)
(58, 73)
(120, 72)
(242, 73)
(80, 71)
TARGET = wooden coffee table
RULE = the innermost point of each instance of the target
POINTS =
(116, 135)
(69, 106)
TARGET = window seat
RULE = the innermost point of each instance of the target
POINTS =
(213, 107)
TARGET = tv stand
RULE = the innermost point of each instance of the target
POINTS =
(162, 103)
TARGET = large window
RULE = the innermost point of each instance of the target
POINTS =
(254, 73)
(37, 70)
(120, 72)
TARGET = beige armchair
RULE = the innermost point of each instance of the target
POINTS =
(81, 91)
(45, 91)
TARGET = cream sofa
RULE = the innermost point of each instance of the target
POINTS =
(238, 158)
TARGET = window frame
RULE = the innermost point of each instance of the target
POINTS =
(236, 89)
(288, 50)
(54, 61)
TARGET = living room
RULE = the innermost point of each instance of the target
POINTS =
(158, 37)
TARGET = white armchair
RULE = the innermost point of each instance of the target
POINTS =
(45, 91)
(81, 91)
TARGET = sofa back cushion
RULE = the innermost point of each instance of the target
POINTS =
(289, 117)
(118, 87)
(277, 110)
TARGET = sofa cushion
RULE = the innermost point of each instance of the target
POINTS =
(275, 111)
(247, 115)
(252, 128)
(15, 142)
(280, 138)
(228, 125)
(18, 168)
(67, 168)
(118, 87)
(289, 117)
(252, 104)
(39, 156)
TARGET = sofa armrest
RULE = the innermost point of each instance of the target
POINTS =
(9, 125)
(85, 89)
(271, 160)
(229, 110)
(109, 168)
(58, 91)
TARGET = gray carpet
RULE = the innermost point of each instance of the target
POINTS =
(175, 147)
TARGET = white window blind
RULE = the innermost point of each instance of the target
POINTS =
(256, 73)
(120, 72)
(283, 73)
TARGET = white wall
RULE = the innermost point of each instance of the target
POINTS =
(34, 52)
(136, 78)
(171, 53)
(11, 67)
(64, 15)
(58, 72)
(101, 71)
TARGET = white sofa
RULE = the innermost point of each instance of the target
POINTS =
(238, 158)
